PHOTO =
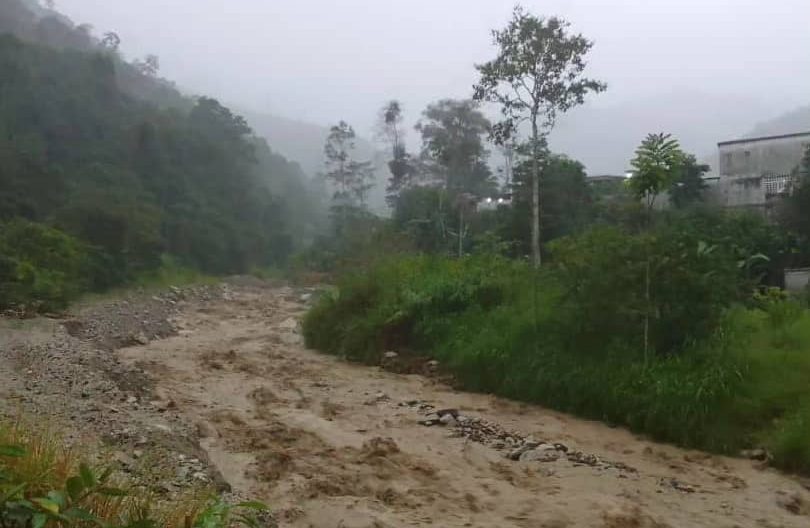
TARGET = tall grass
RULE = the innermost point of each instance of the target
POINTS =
(45, 484)
(745, 384)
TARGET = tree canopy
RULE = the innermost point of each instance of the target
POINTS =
(128, 175)
(453, 142)
(537, 74)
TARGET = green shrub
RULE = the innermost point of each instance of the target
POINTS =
(789, 442)
(40, 266)
(604, 274)
(400, 301)
(477, 316)
(568, 336)
(782, 310)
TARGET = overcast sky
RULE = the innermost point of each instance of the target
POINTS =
(324, 60)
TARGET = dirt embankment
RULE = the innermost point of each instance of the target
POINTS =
(329, 444)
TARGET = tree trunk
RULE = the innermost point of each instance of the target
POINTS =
(461, 231)
(647, 283)
(536, 258)
(647, 309)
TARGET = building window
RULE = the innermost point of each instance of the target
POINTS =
(728, 159)
(747, 154)
(776, 184)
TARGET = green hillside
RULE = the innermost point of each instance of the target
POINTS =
(125, 182)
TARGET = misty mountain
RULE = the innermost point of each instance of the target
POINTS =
(297, 140)
(304, 142)
(797, 120)
(604, 137)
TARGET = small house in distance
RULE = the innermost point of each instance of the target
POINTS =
(755, 173)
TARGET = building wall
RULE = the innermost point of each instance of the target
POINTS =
(796, 280)
(780, 155)
(753, 172)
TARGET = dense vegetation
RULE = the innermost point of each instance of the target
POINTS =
(663, 320)
(728, 371)
(668, 320)
(110, 170)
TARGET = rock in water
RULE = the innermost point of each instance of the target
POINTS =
(754, 454)
(542, 453)
(449, 420)
(430, 419)
(290, 324)
(518, 452)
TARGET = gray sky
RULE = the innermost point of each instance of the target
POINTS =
(324, 60)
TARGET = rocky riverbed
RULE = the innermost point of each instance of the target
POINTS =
(212, 387)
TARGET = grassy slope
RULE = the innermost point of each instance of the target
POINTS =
(746, 386)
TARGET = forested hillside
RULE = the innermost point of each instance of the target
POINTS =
(112, 169)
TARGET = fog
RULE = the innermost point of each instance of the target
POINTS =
(704, 69)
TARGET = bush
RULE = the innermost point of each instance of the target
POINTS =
(399, 302)
(476, 316)
(604, 274)
(569, 336)
(40, 266)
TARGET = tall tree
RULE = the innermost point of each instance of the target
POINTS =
(352, 178)
(453, 134)
(537, 74)
(568, 196)
(658, 161)
(507, 171)
(400, 166)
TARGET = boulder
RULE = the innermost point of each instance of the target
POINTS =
(449, 420)
(541, 453)
(755, 454)
(516, 453)
(290, 323)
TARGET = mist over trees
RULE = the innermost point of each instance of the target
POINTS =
(653, 309)
(131, 176)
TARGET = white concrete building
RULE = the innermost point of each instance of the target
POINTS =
(754, 173)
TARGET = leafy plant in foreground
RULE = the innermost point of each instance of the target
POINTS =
(40, 487)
